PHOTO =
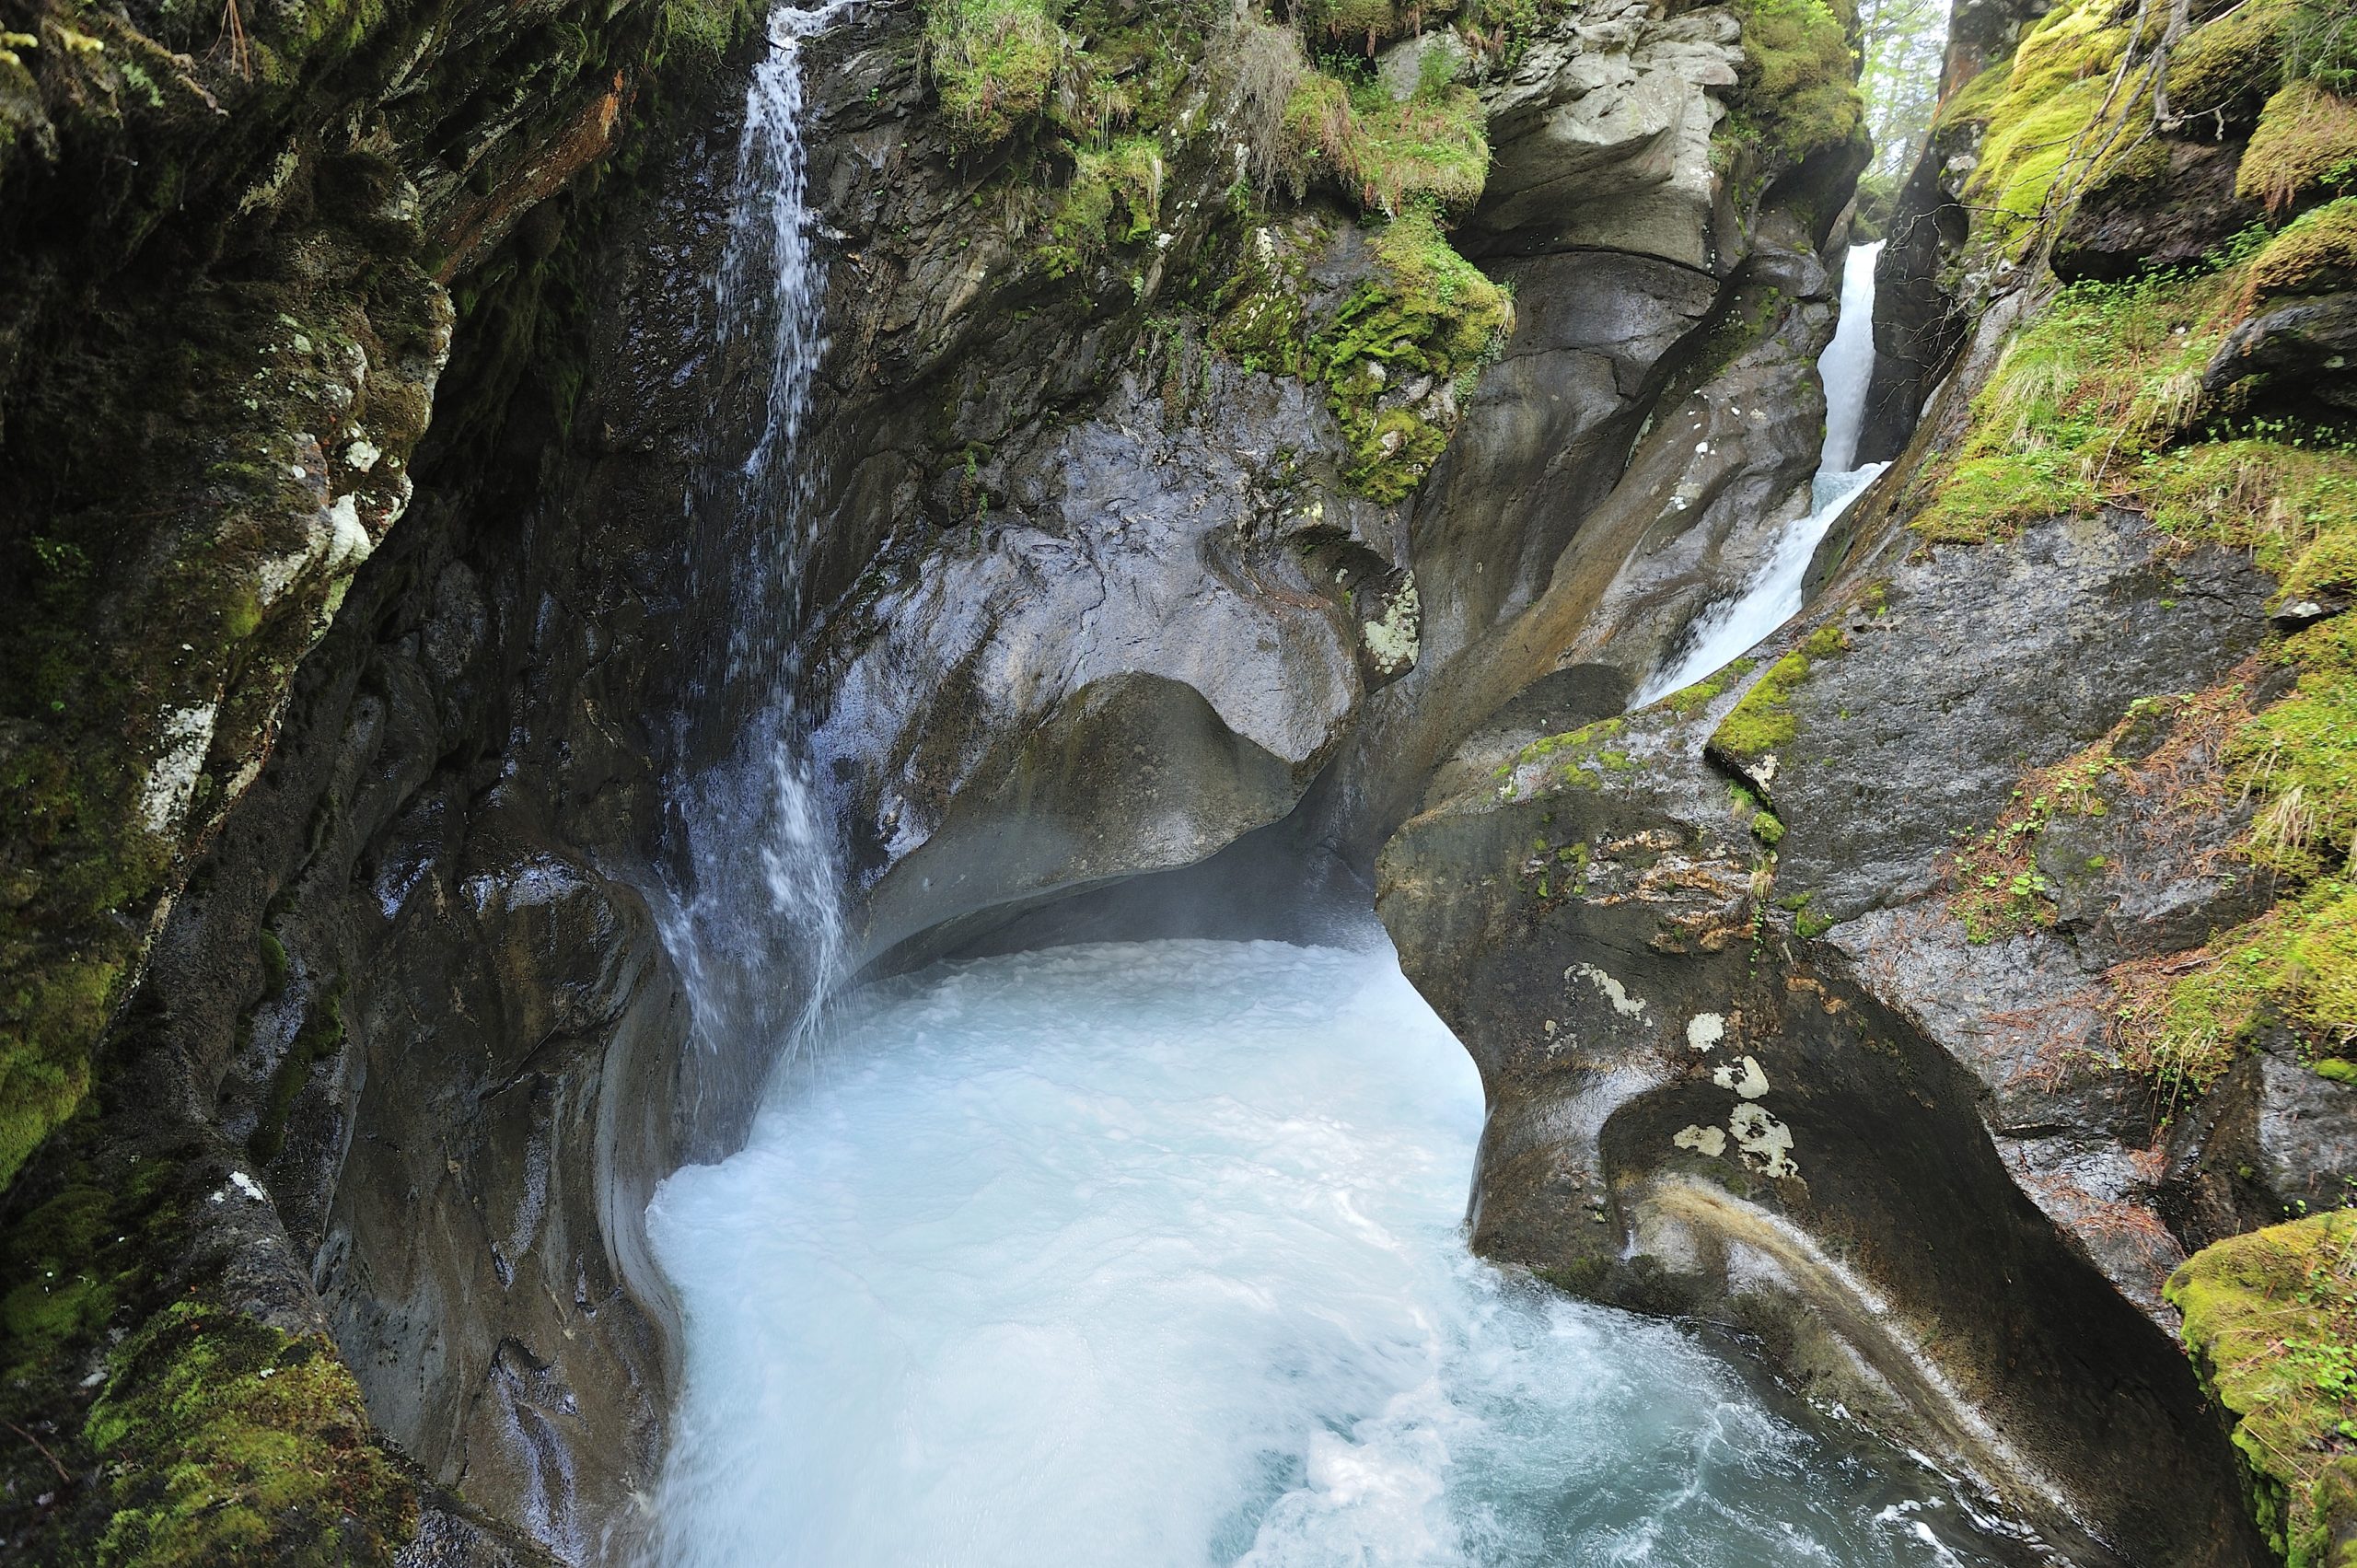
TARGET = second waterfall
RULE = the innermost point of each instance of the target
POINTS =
(1727, 630)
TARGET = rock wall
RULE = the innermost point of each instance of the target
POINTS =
(1983, 867)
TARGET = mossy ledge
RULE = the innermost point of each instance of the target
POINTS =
(2270, 1322)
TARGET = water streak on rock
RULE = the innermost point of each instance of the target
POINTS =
(753, 917)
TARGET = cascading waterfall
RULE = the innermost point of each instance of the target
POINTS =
(1147, 1255)
(1733, 628)
(756, 926)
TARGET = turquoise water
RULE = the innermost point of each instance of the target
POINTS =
(1153, 1254)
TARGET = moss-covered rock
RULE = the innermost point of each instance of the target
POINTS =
(1402, 351)
(229, 1440)
(2044, 120)
(2317, 253)
(2306, 145)
(1798, 89)
(2270, 1321)
(1764, 720)
(2226, 68)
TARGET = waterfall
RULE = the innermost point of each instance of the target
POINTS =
(753, 920)
(1732, 627)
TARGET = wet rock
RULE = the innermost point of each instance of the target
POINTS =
(1602, 136)
(2300, 340)
(1692, 1112)
(2182, 209)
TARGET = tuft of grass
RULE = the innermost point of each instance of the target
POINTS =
(1389, 156)
(2305, 145)
(2098, 382)
(993, 62)
(2298, 758)
(704, 28)
(1365, 24)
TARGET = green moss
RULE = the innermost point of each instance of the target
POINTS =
(274, 966)
(2057, 82)
(1767, 829)
(44, 1065)
(1691, 699)
(2305, 145)
(2299, 757)
(1764, 721)
(227, 1441)
(1996, 886)
(1124, 177)
(2293, 506)
(1977, 101)
(1797, 89)
(2317, 253)
(2270, 1322)
(2296, 964)
(992, 62)
(2230, 65)
(2338, 1070)
(1425, 311)
(1579, 759)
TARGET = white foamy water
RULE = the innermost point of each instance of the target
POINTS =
(1733, 628)
(1152, 1255)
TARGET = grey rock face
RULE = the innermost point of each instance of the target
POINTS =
(1892, 1149)
(1602, 136)
(2300, 340)
(1988, 663)
(1160, 579)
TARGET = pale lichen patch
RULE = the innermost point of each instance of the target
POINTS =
(1766, 1143)
(1743, 1076)
(1702, 1140)
(1628, 1006)
(188, 734)
(1392, 639)
(1704, 1030)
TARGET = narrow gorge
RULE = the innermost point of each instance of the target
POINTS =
(1076, 782)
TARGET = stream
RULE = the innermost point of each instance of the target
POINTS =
(1153, 1254)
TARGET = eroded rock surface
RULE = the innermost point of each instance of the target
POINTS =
(1697, 1108)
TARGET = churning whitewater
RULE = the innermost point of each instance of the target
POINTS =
(1153, 1254)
